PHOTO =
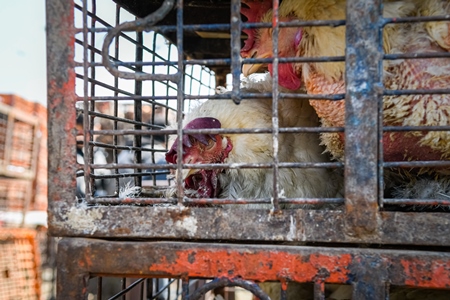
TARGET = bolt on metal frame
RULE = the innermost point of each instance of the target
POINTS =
(361, 222)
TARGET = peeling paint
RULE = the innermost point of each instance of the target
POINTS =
(189, 224)
(292, 229)
(83, 219)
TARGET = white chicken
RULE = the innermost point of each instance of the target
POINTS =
(253, 148)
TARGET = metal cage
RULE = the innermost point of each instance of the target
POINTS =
(121, 77)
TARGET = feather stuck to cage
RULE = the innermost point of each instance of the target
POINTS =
(424, 188)
(253, 148)
(328, 78)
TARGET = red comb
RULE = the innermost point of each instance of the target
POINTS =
(256, 9)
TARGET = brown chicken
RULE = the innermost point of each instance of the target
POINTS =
(328, 78)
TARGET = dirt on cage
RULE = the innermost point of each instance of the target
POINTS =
(169, 155)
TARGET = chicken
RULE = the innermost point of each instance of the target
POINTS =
(253, 148)
(328, 78)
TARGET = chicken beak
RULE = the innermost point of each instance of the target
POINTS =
(185, 173)
(251, 68)
(248, 69)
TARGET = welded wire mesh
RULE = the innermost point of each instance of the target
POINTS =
(125, 115)
(137, 81)
(132, 110)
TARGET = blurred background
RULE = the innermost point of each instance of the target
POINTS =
(26, 252)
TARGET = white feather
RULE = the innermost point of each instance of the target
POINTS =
(257, 148)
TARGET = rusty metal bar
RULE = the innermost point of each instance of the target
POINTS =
(371, 272)
(137, 139)
(220, 166)
(226, 61)
(87, 122)
(139, 25)
(416, 56)
(150, 99)
(180, 97)
(417, 128)
(417, 19)
(116, 103)
(299, 202)
(220, 130)
(225, 281)
(363, 82)
(244, 224)
(275, 98)
(368, 270)
(227, 28)
(61, 108)
(417, 164)
(319, 290)
(430, 203)
(235, 45)
(91, 104)
(185, 288)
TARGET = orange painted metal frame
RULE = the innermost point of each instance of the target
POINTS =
(369, 271)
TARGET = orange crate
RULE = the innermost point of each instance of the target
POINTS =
(19, 264)
(19, 143)
(15, 194)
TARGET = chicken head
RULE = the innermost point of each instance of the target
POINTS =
(259, 44)
(201, 149)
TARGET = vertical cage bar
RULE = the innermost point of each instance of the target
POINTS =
(185, 288)
(61, 106)
(99, 287)
(92, 93)
(363, 93)
(180, 96)
(88, 154)
(284, 286)
(275, 94)
(235, 44)
(71, 280)
(124, 286)
(380, 121)
(138, 107)
(149, 288)
(153, 93)
(370, 273)
(116, 105)
(319, 290)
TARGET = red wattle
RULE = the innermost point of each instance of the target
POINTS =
(287, 77)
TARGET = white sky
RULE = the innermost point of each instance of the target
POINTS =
(22, 50)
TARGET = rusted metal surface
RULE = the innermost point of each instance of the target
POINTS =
(369, 271)
(180, 96)
(224, 281)
(210, 224)
(363, 79)
(61, 105)
(139, 26)
(354, 220)
(235, 45)
(358, 221)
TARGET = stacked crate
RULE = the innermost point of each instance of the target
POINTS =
(23, 154)
(23, 188)
(19, 264)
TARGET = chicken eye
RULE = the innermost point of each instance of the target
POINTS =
(211, 144)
